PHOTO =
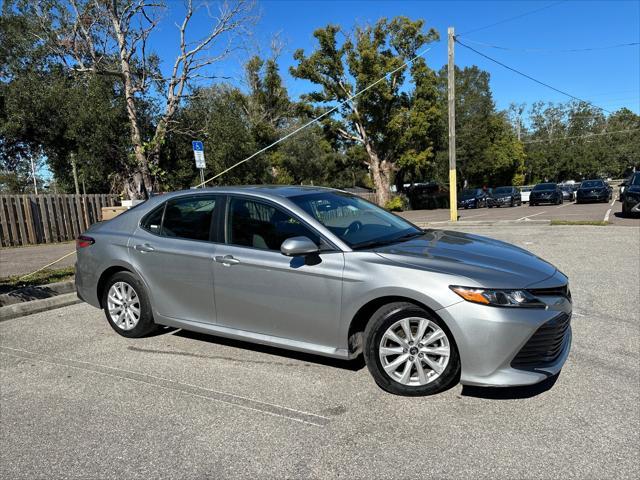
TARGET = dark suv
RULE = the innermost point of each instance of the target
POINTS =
(594, 191)
(545, 193)
(631, 196)
(505, 196)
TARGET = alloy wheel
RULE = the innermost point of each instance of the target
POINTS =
(414, 351)
(124, 305)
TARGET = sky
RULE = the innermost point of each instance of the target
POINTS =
(530, 43)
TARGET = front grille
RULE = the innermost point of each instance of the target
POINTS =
(562, 291)
(544, 346)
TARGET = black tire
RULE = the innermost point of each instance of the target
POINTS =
(384, 318)
(145, 324)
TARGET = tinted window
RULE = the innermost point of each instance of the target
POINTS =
(592, 184)
(355, 221)
(503, 190)
(260, 225)
(545, 186)
(189, 217)
(636, 179)
(153, 221)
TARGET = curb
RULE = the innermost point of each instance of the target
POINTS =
(483, 223)
(37, 292)
(36, 306)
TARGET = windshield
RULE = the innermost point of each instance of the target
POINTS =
(592, 184)
(567, 188)
(500, 190)
(545, 186)
(636, 179)
(356, 222)
(470, 193)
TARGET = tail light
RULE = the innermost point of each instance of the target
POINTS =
(84, 241)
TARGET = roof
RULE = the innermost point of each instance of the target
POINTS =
(283, 191)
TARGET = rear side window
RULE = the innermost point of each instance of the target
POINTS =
(153, 221)
(189, 217)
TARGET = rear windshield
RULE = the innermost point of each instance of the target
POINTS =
(503, 190)
(592, 184)
(545, 186)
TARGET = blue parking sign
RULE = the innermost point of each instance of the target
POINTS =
(197, 146)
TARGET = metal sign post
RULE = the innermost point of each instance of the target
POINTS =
(198, 154)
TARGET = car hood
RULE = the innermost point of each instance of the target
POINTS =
(633, 188)
(502, 195)
(486, 262)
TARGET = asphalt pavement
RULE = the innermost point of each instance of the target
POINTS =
(610, 212)
(79, 401)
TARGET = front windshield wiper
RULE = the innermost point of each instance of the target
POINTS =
(389, 241)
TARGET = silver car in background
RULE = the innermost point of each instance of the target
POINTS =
(322, 271)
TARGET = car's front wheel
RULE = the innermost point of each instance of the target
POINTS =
(127, 306)
(410, 352)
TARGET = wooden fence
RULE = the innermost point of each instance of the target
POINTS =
(33, 219)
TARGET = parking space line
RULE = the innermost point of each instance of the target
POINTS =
(529, 216)
(613, 201)
(164, 383)
(606, 215)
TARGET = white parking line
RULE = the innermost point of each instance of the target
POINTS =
(606, 215)
(613, 201)
(529, 216)
(565, 205)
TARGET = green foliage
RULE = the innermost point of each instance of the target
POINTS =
(397, 204)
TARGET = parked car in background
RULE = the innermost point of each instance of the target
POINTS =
(567, 193)
(504, 197)
(623, 185)
(427, 196)
(321, 271)
(545, 193)
(594, 191)
(631, 196)
(473, 198)
(525, 192)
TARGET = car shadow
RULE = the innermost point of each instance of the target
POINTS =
(352, 365)
(510, 393)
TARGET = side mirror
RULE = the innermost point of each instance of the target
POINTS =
(297, 246)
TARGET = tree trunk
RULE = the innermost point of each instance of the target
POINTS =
(381, 173)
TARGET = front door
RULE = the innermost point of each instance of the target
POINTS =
(173, 252)
(260, 290)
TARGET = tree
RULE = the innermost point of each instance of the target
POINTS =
(378, 118)
(100, 37)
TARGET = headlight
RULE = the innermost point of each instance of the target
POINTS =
(498, 298)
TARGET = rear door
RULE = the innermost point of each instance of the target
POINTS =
(173, 251)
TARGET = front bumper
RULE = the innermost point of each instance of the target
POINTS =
(498, 202)
(632, 205)
(597, 197)
(489, 338)
(545, 199)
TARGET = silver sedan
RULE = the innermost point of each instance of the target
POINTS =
(322, 271)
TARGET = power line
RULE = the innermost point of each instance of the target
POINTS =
(512, 18)
(548, 50)
(581, 136)
(318, 118)
(530, 77)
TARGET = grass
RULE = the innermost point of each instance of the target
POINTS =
(597, 223)
(40, 278)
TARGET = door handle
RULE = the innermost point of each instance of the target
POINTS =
(227, 260)
(145, 247)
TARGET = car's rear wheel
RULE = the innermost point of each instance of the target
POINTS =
(410, 352)
(126, 306)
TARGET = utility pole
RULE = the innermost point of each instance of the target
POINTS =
(453, 193)
(75, 172)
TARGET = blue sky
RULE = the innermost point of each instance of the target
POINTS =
(610, 78)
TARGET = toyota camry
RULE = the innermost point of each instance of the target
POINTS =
(322, 271)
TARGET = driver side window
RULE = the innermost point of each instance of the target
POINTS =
(260, 225)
